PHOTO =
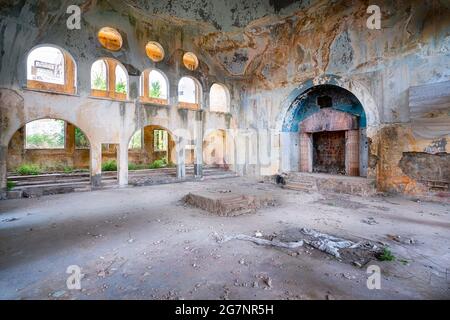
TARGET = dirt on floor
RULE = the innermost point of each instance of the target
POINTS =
(144, 243)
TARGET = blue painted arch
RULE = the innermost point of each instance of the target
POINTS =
(305, 105)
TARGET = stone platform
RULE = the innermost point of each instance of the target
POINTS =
(228, 203)
(320, 182)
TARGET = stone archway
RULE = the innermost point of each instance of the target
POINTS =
(288, 124)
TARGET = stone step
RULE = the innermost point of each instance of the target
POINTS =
(52, 181)
(46, 176)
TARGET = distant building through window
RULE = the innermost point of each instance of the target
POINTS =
(46, 64)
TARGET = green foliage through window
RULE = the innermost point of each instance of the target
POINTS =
(45, 134)
(136, 140)
(81, 141)
(155, 89)
(110, 165)
(99, 82)
(121, 87)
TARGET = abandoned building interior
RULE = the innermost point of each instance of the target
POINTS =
(185, 123)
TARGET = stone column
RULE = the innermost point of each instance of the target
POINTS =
(198, 137)
(3, 172)
(181, 157)
(122, 166)
(352, 152)
(306, 152)
(70, 143)
(96, 165)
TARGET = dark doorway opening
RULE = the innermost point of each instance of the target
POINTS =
(329, 152)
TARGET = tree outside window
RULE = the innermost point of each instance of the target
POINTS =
(81, 141)
(45, 134)
(99, 75)
(136, 141)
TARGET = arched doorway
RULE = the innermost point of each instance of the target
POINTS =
(326, 125)
(48, 156)
(214, 149)
(151, 155)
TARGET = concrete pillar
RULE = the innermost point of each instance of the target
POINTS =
(306, 152)
(352, 152)
(181, 157)
(122, 165)
(70, 143)
(363, 152)
(96, 164)
(3, 172)
(198, 136)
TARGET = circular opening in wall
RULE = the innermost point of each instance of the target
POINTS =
(110, 38)
(154, 51)
(190, 61)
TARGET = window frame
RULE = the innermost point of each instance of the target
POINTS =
(227, 97)
(70, 73)
(165, 138)
(198, 95)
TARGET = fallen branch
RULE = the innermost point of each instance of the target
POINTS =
(320, 241)
(262, 242)
(327, 243)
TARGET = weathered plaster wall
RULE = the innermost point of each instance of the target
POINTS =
(266, 53)
(272, 58)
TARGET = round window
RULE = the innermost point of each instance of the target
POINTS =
(154, 51)
(110, 38)
(190, 61)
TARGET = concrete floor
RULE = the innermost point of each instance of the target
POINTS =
(142, 243)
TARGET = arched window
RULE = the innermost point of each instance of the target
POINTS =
(158, 85)
(121, 80)
(188, 93)
(218, 98)
(50, 68)
(154, 87)
(99, 75)
(109, 79)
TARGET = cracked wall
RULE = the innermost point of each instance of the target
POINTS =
(263, 51)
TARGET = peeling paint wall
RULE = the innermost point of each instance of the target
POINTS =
(266, 52)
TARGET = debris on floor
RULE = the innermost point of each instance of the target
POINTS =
(327, 243)
(261, 241)
(399, 239)
(10, 219)
(370, 221)
(321, 241)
